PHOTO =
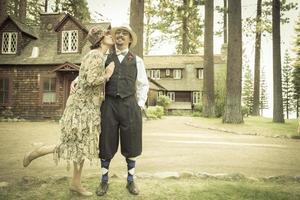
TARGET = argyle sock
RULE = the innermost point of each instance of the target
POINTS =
(104, 168)
(131, 169)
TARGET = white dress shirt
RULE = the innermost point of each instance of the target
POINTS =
(142, 84)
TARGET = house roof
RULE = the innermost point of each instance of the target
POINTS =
(23, 27)
(47, 48)
(66, 67)
(178, 61)
(155, 85)
(69, 17)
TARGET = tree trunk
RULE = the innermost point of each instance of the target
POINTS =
(137, 24)
(225, 22)
(147, 34)
(277, 85)
(46, 6)
(256, 91)
(185, 25)
(16, 8)
(208, 80)
(3, 10)
(22, 10)
(233, 113)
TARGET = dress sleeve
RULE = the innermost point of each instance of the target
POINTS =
(94, 68)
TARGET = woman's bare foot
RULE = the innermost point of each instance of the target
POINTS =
(80, 190)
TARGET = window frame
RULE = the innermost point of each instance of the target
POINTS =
(172, 96)
(200, 73)
(175, 74)
(9, 102)
(42, 79)
(154, 74)
(69, 41)
(9, 52)
(196, 97)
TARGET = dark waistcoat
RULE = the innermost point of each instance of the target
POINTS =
(122, 82)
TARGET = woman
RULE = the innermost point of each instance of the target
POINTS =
(80, 122)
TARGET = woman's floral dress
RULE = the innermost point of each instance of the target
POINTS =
(80, 122)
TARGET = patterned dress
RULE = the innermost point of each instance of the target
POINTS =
(80, 122)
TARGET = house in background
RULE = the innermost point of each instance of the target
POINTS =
(181, 76)
(37, 64)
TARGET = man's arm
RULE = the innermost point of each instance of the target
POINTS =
(142, 84)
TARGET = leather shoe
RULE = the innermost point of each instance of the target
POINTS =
(132, 188)
(102, 189)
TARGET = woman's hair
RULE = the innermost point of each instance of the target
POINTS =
(97, 45)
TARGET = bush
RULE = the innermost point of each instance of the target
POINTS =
(198, 107)
(164, 101)
(197, 114)
(155, 112)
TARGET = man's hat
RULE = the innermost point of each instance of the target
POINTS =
(125, 27)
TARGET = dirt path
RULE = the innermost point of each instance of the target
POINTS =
(168, 145)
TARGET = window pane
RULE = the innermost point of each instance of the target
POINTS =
(46, 84)
(52, 84)
(49, 97)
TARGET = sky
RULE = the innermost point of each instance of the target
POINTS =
(117, 12)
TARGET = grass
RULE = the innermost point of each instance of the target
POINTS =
(256, 126)
(160, 189)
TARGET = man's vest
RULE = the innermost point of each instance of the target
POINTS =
(123, 80)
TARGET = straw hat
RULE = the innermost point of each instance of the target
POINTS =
(126, 27)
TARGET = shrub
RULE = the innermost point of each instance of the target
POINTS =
(198, 107)
(164, 101)
(155, 112)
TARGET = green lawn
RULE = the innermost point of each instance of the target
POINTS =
(255, 126)
(189, 189)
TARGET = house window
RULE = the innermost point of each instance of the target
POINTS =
(160, 93)
(4, 91)
(70, 41)
(154, 74)
(196, 97)
(49, 90)
(200, 73)
(171, 95)
(9, 42)
(168, 72)
(177, 74)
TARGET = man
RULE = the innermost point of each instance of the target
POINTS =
(125, 97)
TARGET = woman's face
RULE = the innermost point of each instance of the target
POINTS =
(108, 40)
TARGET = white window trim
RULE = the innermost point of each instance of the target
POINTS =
(70, 43)
(168, 72)
(177, 74)
(200, 73)
(154, 74)
(171, 95)
(160, 93)
(196, 97)
(9, 42)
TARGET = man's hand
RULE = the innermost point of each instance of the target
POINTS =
(109, 70)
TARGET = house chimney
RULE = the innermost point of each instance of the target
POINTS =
(35, 52)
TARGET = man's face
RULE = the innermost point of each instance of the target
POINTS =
(123, 38)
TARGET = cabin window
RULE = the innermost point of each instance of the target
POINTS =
(196, 97)
(49, 90)
(70, 41)
(177, 74)
(171, 95)
(9, 42)
(154, 74)
(200, 74)
(4, 91)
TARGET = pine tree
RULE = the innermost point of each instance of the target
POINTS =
(77, 8)
(263, 102)
(247, 91)
(296, 65)
(287, 85)
(180, 20)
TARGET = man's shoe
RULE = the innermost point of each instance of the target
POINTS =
(102, 189)
(132, 188)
